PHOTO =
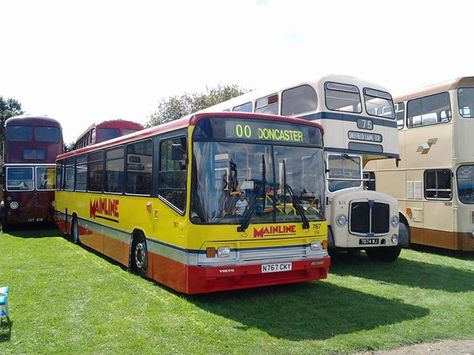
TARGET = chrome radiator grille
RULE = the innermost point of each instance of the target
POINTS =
(369, 218)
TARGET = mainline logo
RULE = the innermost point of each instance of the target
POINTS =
(101, 207)
(274, 230)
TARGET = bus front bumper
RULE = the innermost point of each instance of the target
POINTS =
(222, 278)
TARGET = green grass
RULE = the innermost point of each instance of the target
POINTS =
(66, 299)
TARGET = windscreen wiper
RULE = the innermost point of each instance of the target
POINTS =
(297, 205)
(294, 199)
(259, 190)
(348, 157)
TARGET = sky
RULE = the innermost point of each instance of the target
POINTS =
(92, 60)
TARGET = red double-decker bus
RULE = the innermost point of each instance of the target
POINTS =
(29, 178)
(106, 130)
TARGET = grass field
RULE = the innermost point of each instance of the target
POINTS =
(66, 299)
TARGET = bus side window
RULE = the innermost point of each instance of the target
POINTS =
(438, 184)
(400, 114)
(81, 173)
(95, 171)
(114, 164)
(139, 168)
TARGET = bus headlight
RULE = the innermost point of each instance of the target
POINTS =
(223, 252)
(315, 245)
(14, 205)
(341, 220)
(394, 221)
(394, 239)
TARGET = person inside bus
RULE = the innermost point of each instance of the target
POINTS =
(241, 204)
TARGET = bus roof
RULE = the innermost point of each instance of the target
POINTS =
(190, 120)
(25, 120)
(466, 81)
(112, 124)
(119, 121)
(107, 123)
(317, 83)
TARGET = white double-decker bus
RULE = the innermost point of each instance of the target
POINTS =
(359, 123)
(434, 182)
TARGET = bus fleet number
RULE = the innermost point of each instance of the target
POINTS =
(365, 124)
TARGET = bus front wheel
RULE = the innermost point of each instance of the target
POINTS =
(140, 256)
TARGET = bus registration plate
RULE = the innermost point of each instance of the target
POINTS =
(368, 241)
(276, 267)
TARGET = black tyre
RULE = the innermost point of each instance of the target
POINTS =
(5, 226)
(386, 254)
(75, 231)
(140, 256)
(3, 218)
(403, 235)
(353, 252)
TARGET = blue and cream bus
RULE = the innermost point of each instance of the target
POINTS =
(359, 123)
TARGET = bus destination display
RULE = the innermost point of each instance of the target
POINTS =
(267, 131)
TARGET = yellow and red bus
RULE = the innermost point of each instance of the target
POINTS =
(210, 202)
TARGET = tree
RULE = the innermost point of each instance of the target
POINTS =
(178, 106)
(8, 108)
(69, 147)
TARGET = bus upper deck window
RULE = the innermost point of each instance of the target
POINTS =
(20, 133)
(268, 104)
(298, 100)
(429, 110)
(247, 107)
(466, 102)
(47, 134)
(342, 97)
(378, 103)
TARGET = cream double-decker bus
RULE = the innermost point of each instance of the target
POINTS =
(359, 123)
(434, 181)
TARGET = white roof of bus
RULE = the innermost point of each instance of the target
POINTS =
(318, 83)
